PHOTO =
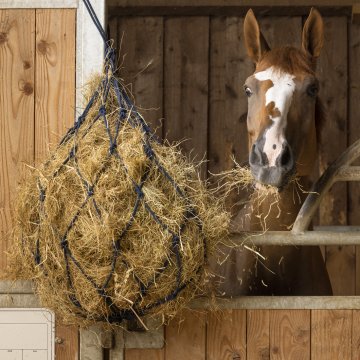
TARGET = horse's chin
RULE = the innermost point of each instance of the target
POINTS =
(260, 186)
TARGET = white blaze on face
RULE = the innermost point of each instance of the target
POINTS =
(281, 94)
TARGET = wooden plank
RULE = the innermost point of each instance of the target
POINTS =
(224, 10)
(17, 41)
(290, 334)
(19, 300)
(229, 68)
(35, 4)
(55, 77)
(355, 341)
(226, 335)
(354, 133)
(332, 70)
(258, 334)
(67, 344)
(273, 27)
(186, 84)
(331, 334)
(55, 101)
(185, 337)
(245, 3)
(142, 354)
(117, 352)
(140, 44)
(90, 347)
(150, 339)
(140, 47)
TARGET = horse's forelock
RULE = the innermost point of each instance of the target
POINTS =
(288, 59)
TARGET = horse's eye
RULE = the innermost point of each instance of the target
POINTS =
(248, 91)
(312, 90)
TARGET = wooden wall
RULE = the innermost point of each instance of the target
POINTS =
(187, 74)
(37, 103)
(190, 71)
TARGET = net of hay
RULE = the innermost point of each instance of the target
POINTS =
(115, 225)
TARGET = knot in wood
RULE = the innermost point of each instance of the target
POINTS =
(28, 89)
(42, 47)
(26, 65)
(3, 38)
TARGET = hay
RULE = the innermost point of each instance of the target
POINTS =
(147, 254)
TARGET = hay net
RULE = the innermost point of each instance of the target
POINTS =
(54, 228)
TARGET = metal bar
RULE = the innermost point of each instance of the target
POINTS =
(348, 173)
(313, 238)
(279, 302)
(322, 186)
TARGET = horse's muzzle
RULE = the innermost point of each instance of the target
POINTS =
(278, 175)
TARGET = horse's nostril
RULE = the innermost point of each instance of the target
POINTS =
(257, 157)
(285, 158)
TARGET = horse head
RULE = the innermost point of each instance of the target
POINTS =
(282, 99)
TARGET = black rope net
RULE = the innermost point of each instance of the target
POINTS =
(115, 225)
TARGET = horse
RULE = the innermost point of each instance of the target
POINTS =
(284, 121)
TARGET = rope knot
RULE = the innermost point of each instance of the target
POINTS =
(123, 113)
(64, 243)
(139, 192)
(102, 110)
(90, 191)
(112, 147)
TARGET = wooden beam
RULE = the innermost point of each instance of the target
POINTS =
(279, 302)
(225, 10)
(39, 4)
(227, 3)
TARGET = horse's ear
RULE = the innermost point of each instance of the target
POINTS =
(255, 42)
(313, 34)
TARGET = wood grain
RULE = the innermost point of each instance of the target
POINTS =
(55, 103)
(331, 334)
(17, 42)
(144, 354)
(354, 134)
(226, 335)
(55, 77)
(355, 341)
(186, 84)
(258, 334)
(332, 70)
(229, 68)
(68, 347)
(290, 334)
(220, 3)
(186, 337)
(140, 44)
(281, 30)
